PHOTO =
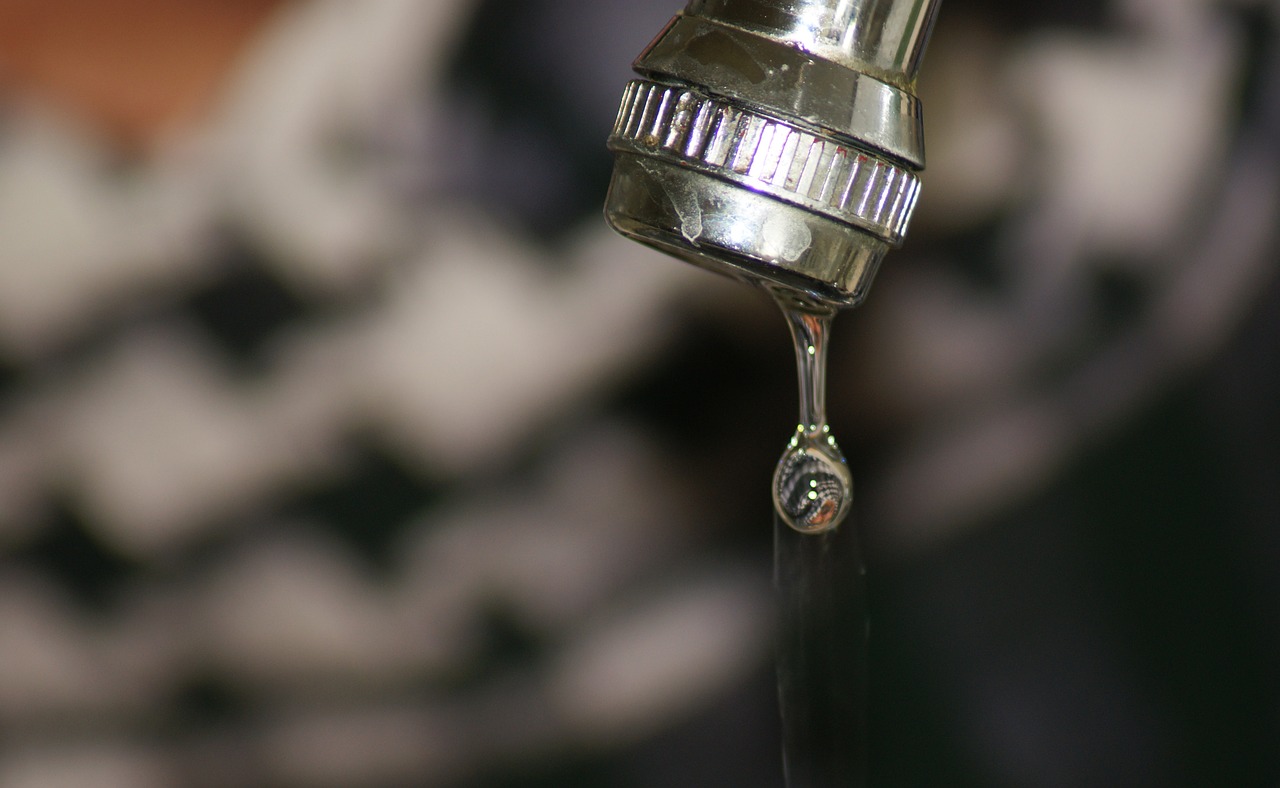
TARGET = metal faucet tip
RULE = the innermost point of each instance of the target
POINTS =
(779, 141)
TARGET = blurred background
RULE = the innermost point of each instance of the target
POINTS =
(342, 445)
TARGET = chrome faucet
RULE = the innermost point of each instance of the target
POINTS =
(780, 141)
(776, 140)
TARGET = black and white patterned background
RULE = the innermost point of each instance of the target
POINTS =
(340, 444)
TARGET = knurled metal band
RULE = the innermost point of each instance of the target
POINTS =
(827, 176)
(787, 79)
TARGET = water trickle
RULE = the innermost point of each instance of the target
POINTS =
(812, 487)
(820, 582)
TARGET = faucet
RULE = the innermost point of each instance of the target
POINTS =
(778, 141)
(781, 142)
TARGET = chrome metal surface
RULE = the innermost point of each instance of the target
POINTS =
(762, 72)
(733, 230)
(882, 37)
(777, 140)
(683, 126)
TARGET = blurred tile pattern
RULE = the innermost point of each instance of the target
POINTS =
(340, 444)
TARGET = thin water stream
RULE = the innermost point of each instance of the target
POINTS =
(820, 580)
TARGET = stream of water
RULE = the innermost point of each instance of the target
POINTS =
(820, 580)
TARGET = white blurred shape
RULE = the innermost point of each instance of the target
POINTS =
(977, 467)
(672, 654)
(78, 238)
(482, 343)
(93, 765)
(942, 349)
(49, 665)
(163, 442)
(319, 89)
(978, 152)
(1133, 130)
(371, 746)
(294, 613)
(596, 517)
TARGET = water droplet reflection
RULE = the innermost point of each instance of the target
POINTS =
(812, 487)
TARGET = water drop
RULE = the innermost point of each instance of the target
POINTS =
(820, 581)
(812, 486)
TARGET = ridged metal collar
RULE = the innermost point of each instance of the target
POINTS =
(766, 155)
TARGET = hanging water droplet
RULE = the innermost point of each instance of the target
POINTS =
(812, 486)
